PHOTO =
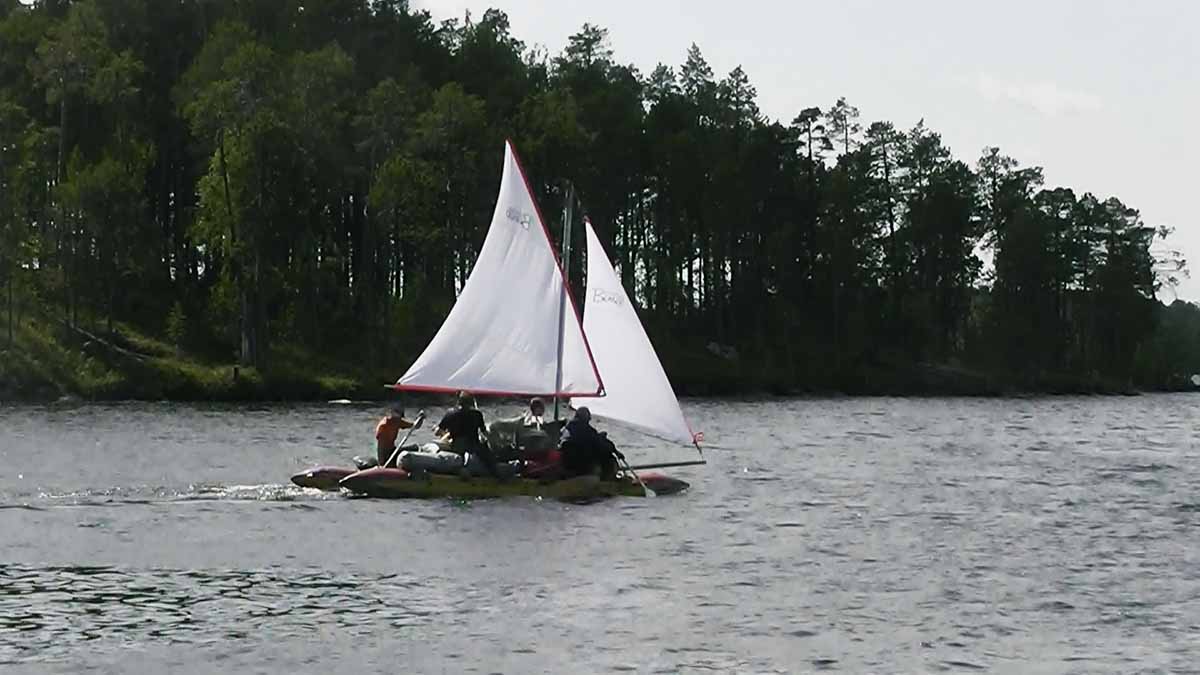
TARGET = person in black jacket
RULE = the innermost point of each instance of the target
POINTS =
(465, 429)
(462, 426)
(586, 451)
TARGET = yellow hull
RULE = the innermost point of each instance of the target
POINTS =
(397, 484)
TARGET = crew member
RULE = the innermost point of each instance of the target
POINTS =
(386, 432)
(465, 429)
(586, 451)
(534, 419)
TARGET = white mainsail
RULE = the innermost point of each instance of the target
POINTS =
(501, 336)
(637, 391)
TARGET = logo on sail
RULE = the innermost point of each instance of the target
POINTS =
(602, 296)
(519, 217)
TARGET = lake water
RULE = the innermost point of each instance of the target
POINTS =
(859, 535)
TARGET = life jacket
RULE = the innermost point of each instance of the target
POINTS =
(549, 461)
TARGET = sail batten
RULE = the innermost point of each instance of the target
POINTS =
(637, 391)
(501, 336)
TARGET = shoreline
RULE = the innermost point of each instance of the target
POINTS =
(259, 391)
(47, 363)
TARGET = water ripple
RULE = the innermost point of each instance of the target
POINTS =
(877, 535)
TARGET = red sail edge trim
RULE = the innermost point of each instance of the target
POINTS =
(430, 389)
(561, 274)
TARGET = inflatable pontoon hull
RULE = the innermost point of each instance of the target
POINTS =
(327, 478)
(398, 484)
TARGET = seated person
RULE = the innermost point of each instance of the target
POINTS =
(538, 436)
(528, 436)
(586, 451)
(534, 419)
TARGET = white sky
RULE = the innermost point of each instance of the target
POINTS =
(1101, 93)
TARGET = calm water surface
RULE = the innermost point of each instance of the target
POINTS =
(866, 535)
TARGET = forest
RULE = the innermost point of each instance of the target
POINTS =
(280, 198)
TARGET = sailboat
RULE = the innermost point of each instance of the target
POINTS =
(496, 342)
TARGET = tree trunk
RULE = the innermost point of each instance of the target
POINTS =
(13, 307)
(12, 266)
(386, 336)
(62, 138)
(245, 329)
(398, 264)
(73, 266)
(366, 277)
(836, 304)
(112, 299)
(260, 315)
(257, 315)
(246, 356)
(10, 311)
(111, 254)
(810, 150)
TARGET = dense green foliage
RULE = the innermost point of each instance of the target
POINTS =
(268, 180)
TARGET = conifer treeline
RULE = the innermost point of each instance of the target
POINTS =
(246, 175)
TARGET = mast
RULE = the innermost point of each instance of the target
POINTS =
(562, 298)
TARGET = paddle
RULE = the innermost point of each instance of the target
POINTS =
(414, 427)
(667, 465)
(646, 490)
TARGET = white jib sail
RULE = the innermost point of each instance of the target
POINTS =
(637, 391)
(501, 336)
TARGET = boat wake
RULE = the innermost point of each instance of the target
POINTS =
(152, 495)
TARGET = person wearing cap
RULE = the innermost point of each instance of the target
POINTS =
(386, 432)
(527, 436)
(534, 418)
(586, 451)
(536, 436)
(537, 442)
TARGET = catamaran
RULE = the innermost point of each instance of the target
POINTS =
(495, 342)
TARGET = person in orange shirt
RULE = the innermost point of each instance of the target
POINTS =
(386, 432)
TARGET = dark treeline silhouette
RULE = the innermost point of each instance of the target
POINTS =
(265, 180)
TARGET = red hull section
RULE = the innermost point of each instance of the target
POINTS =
(374, 478)
(322, 477)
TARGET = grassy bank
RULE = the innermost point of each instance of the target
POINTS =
(49, 360)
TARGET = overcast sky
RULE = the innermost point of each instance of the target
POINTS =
(1104, 94)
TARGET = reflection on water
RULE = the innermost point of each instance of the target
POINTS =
(874, 535)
